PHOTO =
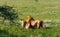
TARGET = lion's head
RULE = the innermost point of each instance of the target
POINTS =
(28, 19)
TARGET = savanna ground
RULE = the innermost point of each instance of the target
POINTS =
(42, 9)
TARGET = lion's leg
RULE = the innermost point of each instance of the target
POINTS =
(37, 25)
(27, 26)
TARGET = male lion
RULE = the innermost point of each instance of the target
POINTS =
(28, 21)
(32, 23)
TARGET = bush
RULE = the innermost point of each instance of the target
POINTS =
(8, 12)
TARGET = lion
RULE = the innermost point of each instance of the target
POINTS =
(28, 21)
(32, 22)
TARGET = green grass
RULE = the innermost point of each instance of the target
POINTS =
(17, 31)
(43, 9)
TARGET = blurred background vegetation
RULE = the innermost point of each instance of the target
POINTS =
(38, 9)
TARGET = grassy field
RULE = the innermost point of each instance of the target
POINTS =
(43, 9)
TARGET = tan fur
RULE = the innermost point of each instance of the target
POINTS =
(22, 21)
(23, 24)
(30, 22)
(35, 23)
